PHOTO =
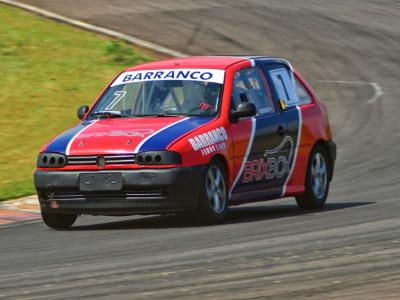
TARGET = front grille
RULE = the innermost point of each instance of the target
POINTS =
(115, 159)
(107, 196)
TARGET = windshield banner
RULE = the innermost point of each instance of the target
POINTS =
(206, 75)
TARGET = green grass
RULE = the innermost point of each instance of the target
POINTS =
(47, 69)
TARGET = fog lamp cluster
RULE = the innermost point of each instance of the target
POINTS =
(51, 160)
(158, 158)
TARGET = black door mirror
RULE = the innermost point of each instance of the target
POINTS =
(244, 109)
(82, 111)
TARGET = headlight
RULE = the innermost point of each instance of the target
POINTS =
(158, 158)
(51, 160)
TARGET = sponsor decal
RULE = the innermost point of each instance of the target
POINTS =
(211, 141)
(119, 95)
(206, 75)
(275, 163)
(131, 133)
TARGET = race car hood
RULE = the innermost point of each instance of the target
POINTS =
(123, 135)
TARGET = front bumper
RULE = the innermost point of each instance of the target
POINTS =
(144, 191)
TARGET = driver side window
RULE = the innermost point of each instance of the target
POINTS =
(172, 99)
(252, 83)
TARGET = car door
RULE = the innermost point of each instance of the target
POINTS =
(282, 80)
(261, 174)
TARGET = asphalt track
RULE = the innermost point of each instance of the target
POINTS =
(349, 51)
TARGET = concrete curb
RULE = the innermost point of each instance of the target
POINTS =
(94, 28)
(19, 211)
(27, 203)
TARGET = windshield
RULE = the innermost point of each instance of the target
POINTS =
(187, 92)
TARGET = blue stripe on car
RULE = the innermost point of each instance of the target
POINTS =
(161, 140)
(60, 144)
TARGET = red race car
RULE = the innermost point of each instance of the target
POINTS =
(193, 134)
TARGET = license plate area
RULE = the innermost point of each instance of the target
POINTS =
(100, 182)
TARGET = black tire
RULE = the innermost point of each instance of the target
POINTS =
(315, 198)
(208, 212)
(58, 221)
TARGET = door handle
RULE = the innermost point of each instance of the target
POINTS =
(280, 131)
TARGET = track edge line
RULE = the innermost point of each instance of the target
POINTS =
(94, 28)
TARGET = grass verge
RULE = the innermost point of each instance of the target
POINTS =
(47, 69)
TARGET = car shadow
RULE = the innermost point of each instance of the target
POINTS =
(238, 214)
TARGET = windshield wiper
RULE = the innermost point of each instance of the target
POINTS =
(109, 113)
(159, 115)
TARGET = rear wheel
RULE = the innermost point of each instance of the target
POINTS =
(58, 221)
(214, 196)
(317, 180)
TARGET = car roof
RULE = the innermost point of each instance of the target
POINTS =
(207, 62)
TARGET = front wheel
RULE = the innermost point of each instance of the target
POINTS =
(317, 180)
(58, 221)
(213, 201)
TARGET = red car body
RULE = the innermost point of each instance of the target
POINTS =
(264, 156)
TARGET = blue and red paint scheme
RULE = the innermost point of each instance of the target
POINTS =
(242, 152)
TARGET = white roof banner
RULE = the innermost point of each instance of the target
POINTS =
(206, 75)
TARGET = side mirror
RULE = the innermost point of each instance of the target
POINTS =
(82, 111)
(244, 109)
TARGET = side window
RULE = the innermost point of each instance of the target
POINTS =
(284, 86)
(251, 82)
(302, 93)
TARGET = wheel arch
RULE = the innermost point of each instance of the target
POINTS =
(331, 153)
(222, 159)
